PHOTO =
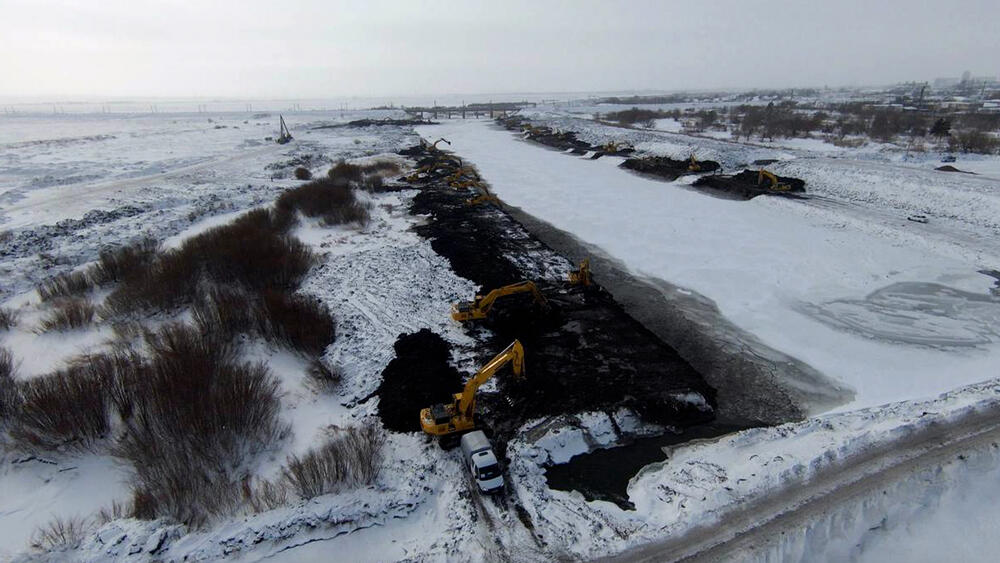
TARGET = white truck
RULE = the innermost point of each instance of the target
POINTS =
(482, 462)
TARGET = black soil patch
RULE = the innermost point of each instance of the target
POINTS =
(378, 123)
(950, 168)
(605, 474)
(583, 353)
(419, 376)
(745, 186)
(667, 168)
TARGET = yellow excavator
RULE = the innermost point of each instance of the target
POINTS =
(772, 181)
(480, 307)
(693, 165)
(614, 146)
(483, 198)
(581, 276)
(459, 415)
(434, 146)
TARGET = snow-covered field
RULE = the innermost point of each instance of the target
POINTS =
(896, 310)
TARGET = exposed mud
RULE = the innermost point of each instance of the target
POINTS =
(583, 353)
(417, 377)
(746, 185)
(378, 123)
(668, 168)
(604, 474)
(950, 168)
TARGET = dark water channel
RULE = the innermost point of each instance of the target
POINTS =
(604, 474)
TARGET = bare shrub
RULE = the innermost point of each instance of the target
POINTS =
(342, 173)
(70, 314)
(8, 318)
(373, 183)
(228, 311)
(253, 251)
(350, 458)
(383, 167)
(116, 511)
(67, 409)
(303, 173)
(268, 495)
(322, 377)
(65, 285)
(124, 263)
(195, 420)
(302, 322)
(10, 396)
(61, 534)
(333, 201)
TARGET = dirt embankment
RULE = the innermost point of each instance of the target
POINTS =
(583, 352)
(748, 185)
(668, 168)
(417, 377)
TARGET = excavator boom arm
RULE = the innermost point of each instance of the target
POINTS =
(486, 303)
(513, 354)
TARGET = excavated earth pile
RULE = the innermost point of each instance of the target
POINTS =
(417, 377)
(745, 185)
(582, 352)
(668, 168)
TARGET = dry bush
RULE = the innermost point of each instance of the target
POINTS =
(116, 511)
(302, 322)
(65, 285)
(342, 173)
(196, 418)
(268, 495)
(69, 314)
(67, 409)
(383, 167)
(8, 318)
(335, 203)
(303, 173)
(61, 534)
(373, 183)
(227, 311)
(323, 378)
(253, 251)
(125, 263)
(10, 396)
(122, 372)
(352, 457)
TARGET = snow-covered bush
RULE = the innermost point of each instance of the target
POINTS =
(69, 314)
(68, 409)
(350, 458)
(65, 285)
(197, 417)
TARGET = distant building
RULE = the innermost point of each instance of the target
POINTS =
(941, 83)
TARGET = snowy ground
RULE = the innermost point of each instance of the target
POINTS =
(894, 309)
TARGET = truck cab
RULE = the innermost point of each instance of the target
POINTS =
(482, 462)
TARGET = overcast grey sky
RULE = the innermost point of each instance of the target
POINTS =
(325, 48)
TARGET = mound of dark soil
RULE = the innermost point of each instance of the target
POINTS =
(950, 168)
(744, 185)
(666, 167)
(583, 353)
(418, 377)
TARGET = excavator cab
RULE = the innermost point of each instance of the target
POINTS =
(581, 276)
(457, 416)
(693, 165)
(481, 306)
(772, 181)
